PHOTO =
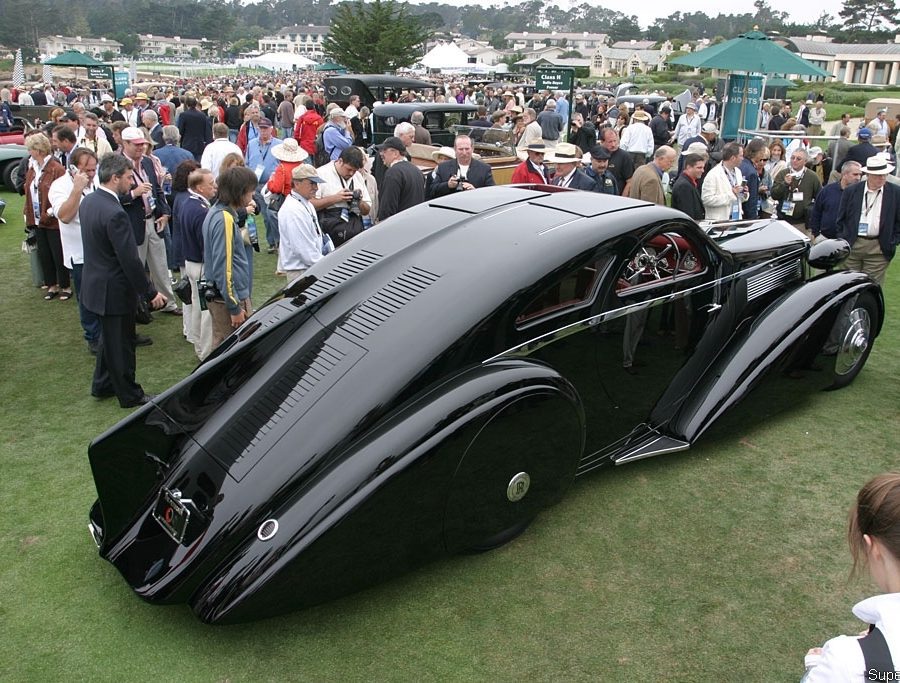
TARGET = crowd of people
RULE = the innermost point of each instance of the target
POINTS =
(197, 219)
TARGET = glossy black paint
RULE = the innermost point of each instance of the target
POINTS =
(383, 409)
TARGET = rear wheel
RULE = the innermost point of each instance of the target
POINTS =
(6, 175)
(858, 325)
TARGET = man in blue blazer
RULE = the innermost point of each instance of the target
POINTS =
(112, 279)
(869, 219)
(462, 173)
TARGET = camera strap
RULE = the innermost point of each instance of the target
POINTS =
(876, 652)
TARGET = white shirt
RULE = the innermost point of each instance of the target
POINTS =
(299, 232)
(637, 137)
(334, 184)
(217, 150)
(870, 212)
(842, 659)
(70, 233)
(880, 126)
(717, 194)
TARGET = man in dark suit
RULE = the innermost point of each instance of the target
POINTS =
(112, 278)
(462, 173)
(869, 219)
(403, 185)
(686, 190)
(566, 157)
(195, 128)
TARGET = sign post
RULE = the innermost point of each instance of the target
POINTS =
(743, 101)
(558, 79)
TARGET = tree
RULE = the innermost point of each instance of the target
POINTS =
(375, 37)
(869, 16)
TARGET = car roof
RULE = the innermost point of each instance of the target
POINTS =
(406, 108)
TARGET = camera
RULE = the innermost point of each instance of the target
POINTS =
(208, 292)
(357, 196)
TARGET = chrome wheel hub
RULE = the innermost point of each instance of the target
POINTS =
(855, 341)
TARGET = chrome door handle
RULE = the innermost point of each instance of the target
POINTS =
(711, 308)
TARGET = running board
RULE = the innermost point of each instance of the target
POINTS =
(655, 446)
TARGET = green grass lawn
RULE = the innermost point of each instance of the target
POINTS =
(724, 563)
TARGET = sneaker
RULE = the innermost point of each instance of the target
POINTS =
(272, 249)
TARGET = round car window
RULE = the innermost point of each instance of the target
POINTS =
(332, 89)
(346, 90)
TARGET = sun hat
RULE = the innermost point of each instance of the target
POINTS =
(289, 150)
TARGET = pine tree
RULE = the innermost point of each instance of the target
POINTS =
(374, 37)
(869, 16)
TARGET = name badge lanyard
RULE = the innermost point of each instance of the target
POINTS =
(735, 205)
(867, 208)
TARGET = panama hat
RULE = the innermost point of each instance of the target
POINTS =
(565, 153)
(878, 165)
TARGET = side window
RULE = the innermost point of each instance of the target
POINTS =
(576, 289)
(663, 258)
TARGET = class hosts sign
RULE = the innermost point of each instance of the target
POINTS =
(744, 95)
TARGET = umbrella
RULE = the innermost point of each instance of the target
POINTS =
(68, 58)
(18, 77)
(753, 52)
(72, 58)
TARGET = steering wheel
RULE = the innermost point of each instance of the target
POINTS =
(655, 260)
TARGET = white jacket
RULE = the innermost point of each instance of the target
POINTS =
(842, 659)
(717, 195)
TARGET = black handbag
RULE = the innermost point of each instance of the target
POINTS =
(275, 201)
(339, 229)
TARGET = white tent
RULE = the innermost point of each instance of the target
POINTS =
(277, 61)
(449, 56)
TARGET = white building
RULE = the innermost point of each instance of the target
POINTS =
(298, 40)
(625, 62)
(585, 43)
(861, 63)
(480, 50)
(174, 46)
(51, 46)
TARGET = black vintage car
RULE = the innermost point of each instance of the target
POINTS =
(439, 119)
(371, 88)
(438, 381)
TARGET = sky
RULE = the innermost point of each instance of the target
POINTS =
(647, 12)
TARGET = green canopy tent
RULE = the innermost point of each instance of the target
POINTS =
(72, 58)
(753, 52)
(331, 66)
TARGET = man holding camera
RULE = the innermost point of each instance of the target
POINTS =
(342, 198)
(462, 173)
(795, 188)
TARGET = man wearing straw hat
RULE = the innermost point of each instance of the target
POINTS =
(869, 219)
(566, 156)
(532, 170)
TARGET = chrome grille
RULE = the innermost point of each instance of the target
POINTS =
(772, 278)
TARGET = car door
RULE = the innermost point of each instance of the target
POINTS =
(621, 323)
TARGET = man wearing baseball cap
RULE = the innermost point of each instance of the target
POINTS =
(148, 212)
(598, 171)
(302, 240)
(869, 219)
(862, 150)
(403, 185)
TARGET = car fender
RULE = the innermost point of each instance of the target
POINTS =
(380, 508)
(795, 324)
